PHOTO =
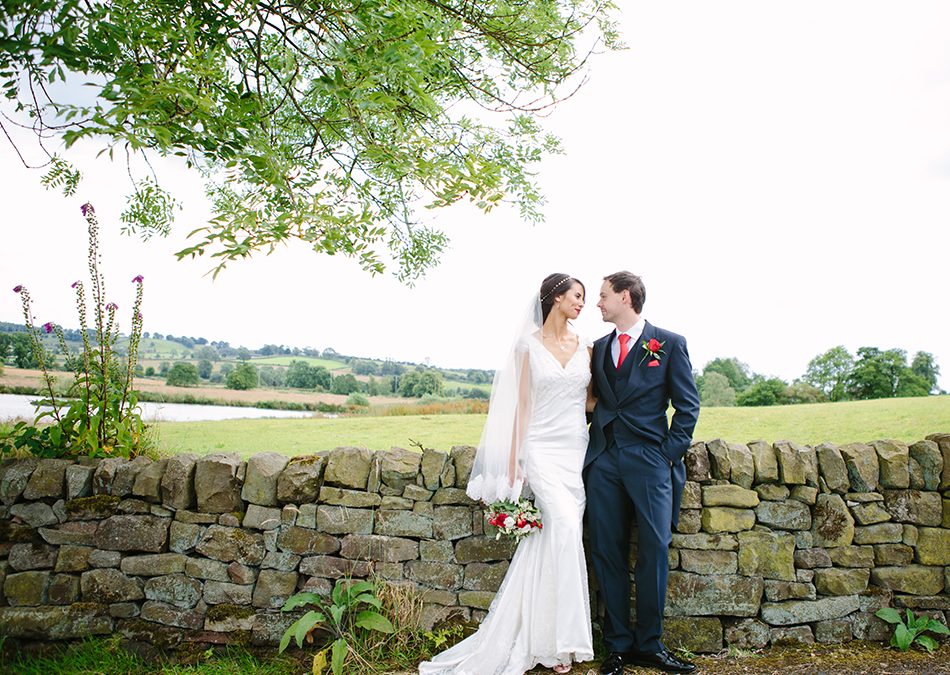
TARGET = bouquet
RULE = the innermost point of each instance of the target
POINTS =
(515, 520)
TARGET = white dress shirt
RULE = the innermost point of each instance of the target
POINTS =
(635, 331)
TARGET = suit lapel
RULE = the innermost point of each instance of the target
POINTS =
(636, 368)
(597, 360)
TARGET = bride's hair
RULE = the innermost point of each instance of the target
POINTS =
(554, 286)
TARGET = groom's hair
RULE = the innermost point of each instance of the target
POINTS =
(628, 281)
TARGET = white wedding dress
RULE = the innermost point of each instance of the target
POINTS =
(541, 613)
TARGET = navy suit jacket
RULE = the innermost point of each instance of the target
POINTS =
(637, 408)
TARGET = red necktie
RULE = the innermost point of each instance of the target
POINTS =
(624, 348)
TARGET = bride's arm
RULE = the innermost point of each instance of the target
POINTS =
(522, 415)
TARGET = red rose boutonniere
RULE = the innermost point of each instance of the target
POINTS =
(652, 348)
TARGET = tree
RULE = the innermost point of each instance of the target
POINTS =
(321, 121)
(733, 369)
(802, 392)
(271, 377)
(301, 375)
(716, 391)
(876, 373)
(345, 384)
(763, 391)
(207, 352)
(244, 354)
(418, 383)
(363, 367)
(925, 366)
(182, 374)
(23, 356)
(830, 371)
(204, 368)
(242, 377)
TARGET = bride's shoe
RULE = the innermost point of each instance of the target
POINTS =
(562, 668)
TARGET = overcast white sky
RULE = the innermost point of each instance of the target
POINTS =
(778, 173)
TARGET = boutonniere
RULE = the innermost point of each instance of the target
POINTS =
(652, 348)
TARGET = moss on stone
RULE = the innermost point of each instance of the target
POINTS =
(223, 612)
(96, 506)
(15, 533)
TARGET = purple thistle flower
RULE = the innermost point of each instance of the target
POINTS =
(112, 307)
(74, 284)
(17, 289)
(139, 316)
(87, 209)
(48, 327)
(138, 279)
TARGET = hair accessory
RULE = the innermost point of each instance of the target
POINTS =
(548, 294)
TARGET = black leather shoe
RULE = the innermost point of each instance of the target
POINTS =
(664, 660)
(613, 664)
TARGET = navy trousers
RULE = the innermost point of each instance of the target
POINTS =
(622, 484)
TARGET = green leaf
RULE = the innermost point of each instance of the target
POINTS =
(340, 649)
(374, 621)
(927, 643)
(903, 637)
(935, 626)
(305, 624)
(888, 614)
(301, 599)
(369, 599)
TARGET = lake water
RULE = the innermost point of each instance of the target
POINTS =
(14, 405)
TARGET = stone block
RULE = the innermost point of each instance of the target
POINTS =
(833, 631)
(26, 589)
(866, 626)
(776, 591)
(174, 589)
(451, 522)
(63, 589)
(786, 515)
(218, 483)
(882, 533)
(14, 476)
(202, 568)
(170, 615)
(892, 457)
(109, 585)
(805, 494)
(71, 622)
(73, 558)
(910, 579)
(433, 462)
(437, 575)
(344, 520)
(742, 466)
(32, 556)
(403, 524)
(764, 462)
(724, 519)
(791, 466)
(126, 473)
(148, 481)
(803, 538)
(719, 464)
(852, 556)
(747, 634)
(261, 517)
(933, 546)
(229, 544)
(301, 481)
(700, 635)
(690, 521)
(96, 507)
(79, 480)
(862, 463)
(436, 551)
(227, 618)
(273, 588)
(729, 495)
(484, 576)
(766, 554)
(337, 496)
(417, 494)
(158, 564)
(178, 482)
(463, 457)
(708, 562)
(792, 635)
(793, 612)
(36, 514)
(832, 524)
(893, 554)
(705, 542)
(484, 549)
(223, 592)
(371, 547)
(869, 513)
(811, 558)
(399, 467)
(104, 559)
(833, 468)
(712, 595)
(771, 492)
(836, 581)
(697, 463)
(304, 541)
(449, 495)
(260, 480)
(914, 506)
(48, 480)
(332, 567)
(348, 467)
(476, 599)
(930, 460)
(132, 533)
(183, 537)
(909, 534)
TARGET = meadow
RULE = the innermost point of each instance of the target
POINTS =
(905, 419)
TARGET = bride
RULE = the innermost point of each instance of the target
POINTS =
(536, 436)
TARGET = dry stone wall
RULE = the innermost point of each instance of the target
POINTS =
(776, 542)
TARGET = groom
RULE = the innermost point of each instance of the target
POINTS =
(634, 470)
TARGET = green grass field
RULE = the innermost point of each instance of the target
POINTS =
(908, 419)
(285, 361)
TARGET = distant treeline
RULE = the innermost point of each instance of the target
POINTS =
(835, 375)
